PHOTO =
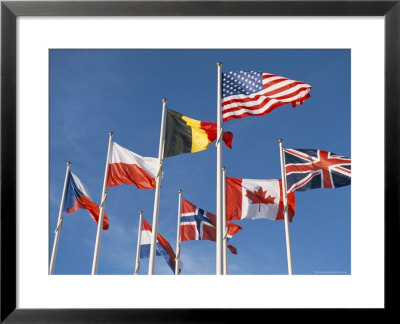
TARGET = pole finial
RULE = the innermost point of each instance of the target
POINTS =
(280, 140)
(164, 100)
(69, 163)
(180, 191)
(141, 212)
(219, 63)
(111, 133)
(223, 168)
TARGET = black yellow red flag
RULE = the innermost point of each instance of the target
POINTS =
(187, 135)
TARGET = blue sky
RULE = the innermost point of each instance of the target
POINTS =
(93, 92)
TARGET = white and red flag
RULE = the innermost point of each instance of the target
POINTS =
(256, 198)
(131, 168)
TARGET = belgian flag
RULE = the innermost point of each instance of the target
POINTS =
(187, 135)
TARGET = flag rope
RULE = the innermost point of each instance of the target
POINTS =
(160, 170)
(219, 137)
(137, 267)
(226, 233)
(104, 200)
(59, 225)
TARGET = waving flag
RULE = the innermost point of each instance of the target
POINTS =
(255, 199)
(162, 248)
(310, 169)
(197, 224)
(77, 196)
(187, 135)
(257, 93)
(131, 168)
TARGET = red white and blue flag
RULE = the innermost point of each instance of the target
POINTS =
(257, 93)
(162, 248)
(197, 224)
(77, 196)
(310, 169)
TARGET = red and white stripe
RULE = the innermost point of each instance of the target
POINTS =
(277, 91)
(131, 168)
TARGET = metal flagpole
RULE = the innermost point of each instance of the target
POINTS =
(286, 212)
(102, 205)
(137, 264)
(59, 221)
(178, 235)
(157, 192)
(224, 227)
(219, 176)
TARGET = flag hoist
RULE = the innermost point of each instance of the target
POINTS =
(178, 233)
(59, 221)
(137, 264)
(157, 192)
(102, 206)
(219, 229)
(286, 212)
(224, 227)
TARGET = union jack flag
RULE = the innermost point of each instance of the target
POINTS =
(310, 169)
(258, 93)
(197, 224)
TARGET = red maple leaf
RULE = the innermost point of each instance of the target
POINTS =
(259, 197)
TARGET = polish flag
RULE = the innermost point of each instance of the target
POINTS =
(256, 198)
(130, 168)
(77, 196)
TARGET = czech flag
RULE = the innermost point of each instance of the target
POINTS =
(77, 196)
(163, 247)
(187, 135)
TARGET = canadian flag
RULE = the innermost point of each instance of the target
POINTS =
(256, 198)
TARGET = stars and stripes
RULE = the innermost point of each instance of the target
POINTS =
(258, 93)
(310, 169)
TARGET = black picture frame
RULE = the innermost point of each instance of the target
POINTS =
(10, 10)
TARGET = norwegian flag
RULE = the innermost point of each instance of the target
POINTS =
(310, 169)
(258, 93)
(197, 224)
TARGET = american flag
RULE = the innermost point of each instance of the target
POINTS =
(310, 169)
(257, 93)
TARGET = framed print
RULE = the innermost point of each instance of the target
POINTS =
(63, 101)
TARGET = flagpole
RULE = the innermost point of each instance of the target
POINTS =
(178, 231)
(224, 227)
(137, 264)
(157, 192)
(218, 229)
(286, 211)
(102, 205)
(59, 221)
